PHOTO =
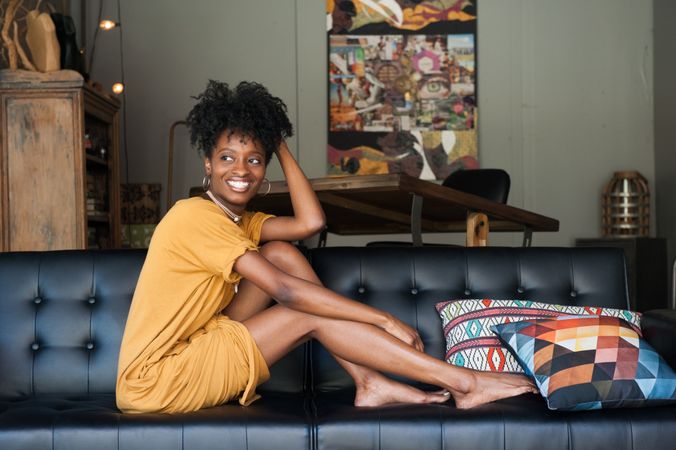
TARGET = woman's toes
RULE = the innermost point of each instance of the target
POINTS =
(437, 397)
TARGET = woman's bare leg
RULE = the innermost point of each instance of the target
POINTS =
(483, 386)
(278, 330)
(372, 388)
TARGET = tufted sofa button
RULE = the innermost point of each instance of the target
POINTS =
(520, 290)
(414, 291)
(361, 289)
(90, 345)
(91, 300)
(573, 294)
(35, 346)
(468, 292)
(37, 300)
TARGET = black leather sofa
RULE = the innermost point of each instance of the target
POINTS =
(62, 315)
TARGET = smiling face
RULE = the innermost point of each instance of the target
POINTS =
(236, 168)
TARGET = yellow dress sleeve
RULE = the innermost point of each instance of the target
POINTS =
(252, 223)
(204, 237)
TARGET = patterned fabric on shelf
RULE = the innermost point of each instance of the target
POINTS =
(471, 344)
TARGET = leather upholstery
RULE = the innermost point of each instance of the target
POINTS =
(64, 312)
(659, 327)
(93, 422)
(62, 316)
(518, 423)
(414, 280)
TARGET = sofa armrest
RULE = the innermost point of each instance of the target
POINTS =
(659, 329)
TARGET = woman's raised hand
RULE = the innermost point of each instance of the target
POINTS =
(308, 217)
(403, 332)
(282, 147)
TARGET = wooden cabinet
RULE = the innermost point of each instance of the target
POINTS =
(55, 193)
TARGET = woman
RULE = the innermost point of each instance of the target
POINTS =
(201, 330)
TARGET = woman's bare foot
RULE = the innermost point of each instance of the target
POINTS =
(379, 390)
(488, 387)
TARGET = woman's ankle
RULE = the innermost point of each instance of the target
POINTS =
(365, 380)
(465, 382)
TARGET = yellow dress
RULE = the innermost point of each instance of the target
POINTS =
(178, 352)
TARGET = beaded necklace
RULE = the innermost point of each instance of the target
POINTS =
(234, 217)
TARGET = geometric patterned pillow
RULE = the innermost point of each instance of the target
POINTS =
(471, 344)
(590, 362)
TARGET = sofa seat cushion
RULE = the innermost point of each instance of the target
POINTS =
(522, 422)
(59, 422)
(275, 421)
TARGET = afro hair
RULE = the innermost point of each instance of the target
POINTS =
(248, 110)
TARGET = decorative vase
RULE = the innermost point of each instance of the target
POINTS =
(626, 205)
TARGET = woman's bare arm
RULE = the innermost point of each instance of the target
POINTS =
(308, 217)
(301, 295)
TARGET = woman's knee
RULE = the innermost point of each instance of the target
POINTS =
(282, 254)
(273, 247)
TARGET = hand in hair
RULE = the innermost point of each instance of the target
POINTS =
(248, 110)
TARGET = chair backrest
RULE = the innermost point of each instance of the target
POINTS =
(492, 184)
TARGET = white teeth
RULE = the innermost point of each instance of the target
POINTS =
(239, 184)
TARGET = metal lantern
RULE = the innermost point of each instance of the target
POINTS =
(626, 205)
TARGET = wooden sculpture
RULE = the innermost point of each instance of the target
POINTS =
(42, 41)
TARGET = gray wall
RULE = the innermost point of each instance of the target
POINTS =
(565, 91)
(665, 112)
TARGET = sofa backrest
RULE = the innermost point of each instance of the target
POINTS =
(62, 315)
(408, 282)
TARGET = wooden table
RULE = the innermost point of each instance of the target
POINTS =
(399, 203)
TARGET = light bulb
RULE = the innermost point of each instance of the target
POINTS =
(107, 24)
(118, 88)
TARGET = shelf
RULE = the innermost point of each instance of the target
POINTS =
(99, 218)
(97, 160)
(102, 183)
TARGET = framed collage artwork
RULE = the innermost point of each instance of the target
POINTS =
(402, 87)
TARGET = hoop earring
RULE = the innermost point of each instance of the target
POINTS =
(206, 182)
(269, 187)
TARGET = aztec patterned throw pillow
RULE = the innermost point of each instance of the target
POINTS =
(470, 343)
(590, 362)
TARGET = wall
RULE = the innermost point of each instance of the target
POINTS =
(565, 91)
(665, 111)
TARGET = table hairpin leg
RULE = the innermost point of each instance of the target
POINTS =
(322, 238)
(527, 237)
(416, 220)
(673, 286)
(477, 229)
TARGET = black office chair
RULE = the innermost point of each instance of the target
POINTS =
(491, 184)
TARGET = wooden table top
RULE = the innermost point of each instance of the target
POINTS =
(381, 204)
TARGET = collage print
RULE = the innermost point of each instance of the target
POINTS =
(402, 91)
(408, 82)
